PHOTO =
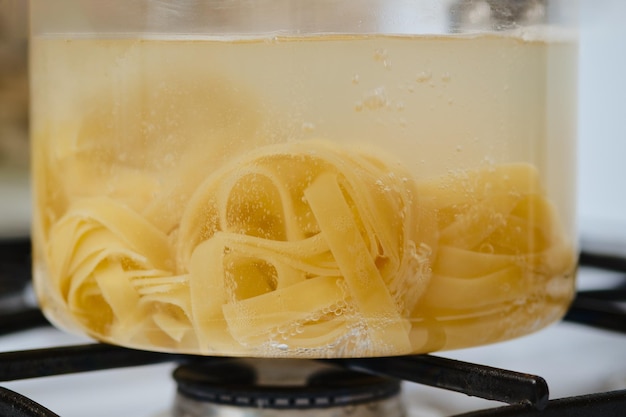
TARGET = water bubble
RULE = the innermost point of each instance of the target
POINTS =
(376, 99)
(380, 55)
(519, 301)
(488, 160)
(358, 107)
(486, 248)
(445, 77)
(356, 79)
(423, 76)
(308, 127)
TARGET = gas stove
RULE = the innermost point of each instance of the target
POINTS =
(575, 367)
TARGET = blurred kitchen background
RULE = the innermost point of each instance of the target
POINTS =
(602, 124)
(602, 129)
(14, 185)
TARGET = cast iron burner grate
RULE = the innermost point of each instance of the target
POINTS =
(364, 379)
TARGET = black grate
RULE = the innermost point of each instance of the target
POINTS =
(606, 404)
(469, 378)
(13, 404)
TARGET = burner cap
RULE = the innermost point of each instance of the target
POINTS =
(238, 383)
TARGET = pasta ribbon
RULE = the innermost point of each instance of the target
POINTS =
(249, 318)
(260, 242)
(372, 297)
(95, 253)
(500, 241)
(309, 249)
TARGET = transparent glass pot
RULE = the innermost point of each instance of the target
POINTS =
(321, 178)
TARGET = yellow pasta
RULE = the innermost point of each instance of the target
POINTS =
(372, 298)
(274, 309)
(308, 249)
(500, 244)
(468, 186)
(445, 293)
(259, 229)
(463, 263)
(96, 250)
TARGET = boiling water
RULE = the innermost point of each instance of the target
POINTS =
(316, 196)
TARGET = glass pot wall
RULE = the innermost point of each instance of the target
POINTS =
(321, 178)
